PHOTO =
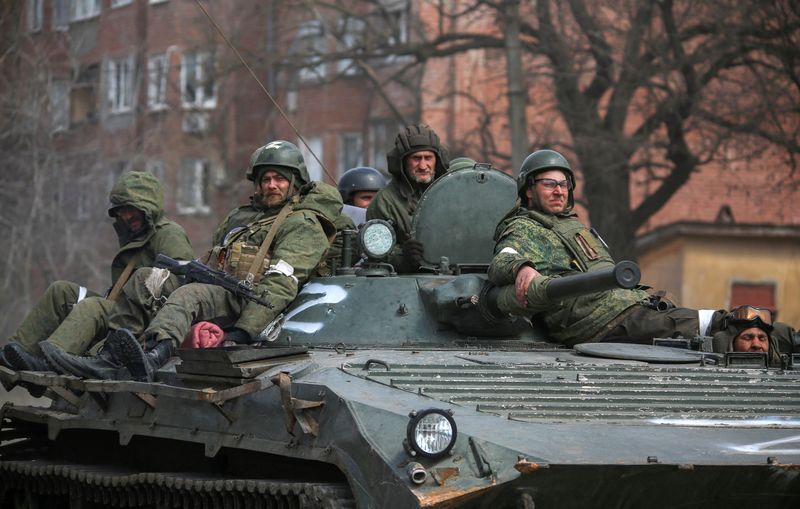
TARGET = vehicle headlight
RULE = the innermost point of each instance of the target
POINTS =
(431, 433)
(377, 238)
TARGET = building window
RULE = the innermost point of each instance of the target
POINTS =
(84, 9)
(59, 104)
(83, 99)
(350, 37)
(120, 85)
(198, 89)
(120, 3)
(761, 295)
(60, 14)
(381, 139)
(312, 165)
(309, 46)
(156, 168)
(396, 18)
(192, 195)
(34, 15)
(350, 153)
(157, 82)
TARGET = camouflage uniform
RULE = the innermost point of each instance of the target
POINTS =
(296, 251)
(63, 314)
(398, 201)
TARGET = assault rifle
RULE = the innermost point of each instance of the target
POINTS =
(198, 272)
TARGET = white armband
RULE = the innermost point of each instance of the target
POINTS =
(509, 250)
(282, 268)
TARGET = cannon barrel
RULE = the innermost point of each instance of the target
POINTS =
(624, 274)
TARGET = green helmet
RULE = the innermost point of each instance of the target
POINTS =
(415, 138)
(279, 154)
(541, 161)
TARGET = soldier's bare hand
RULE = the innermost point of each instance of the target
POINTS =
(525, 275)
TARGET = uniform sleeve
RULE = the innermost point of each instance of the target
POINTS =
(173, 242)
(298, 249)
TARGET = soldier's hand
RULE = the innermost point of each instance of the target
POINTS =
(525, 275)
(238, 336)
(413, 251)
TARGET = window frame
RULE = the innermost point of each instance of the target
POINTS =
(191, 205)
(202, 61)
(35, 15)
(157, 84)
(115, 100)
(84, 9)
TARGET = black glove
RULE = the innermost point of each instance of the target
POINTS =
(238, 336)
(413, 251)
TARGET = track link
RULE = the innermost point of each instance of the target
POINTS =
(86, 486)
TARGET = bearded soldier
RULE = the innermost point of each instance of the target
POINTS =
(273, 244)
(416, 160)
(71, 317)
(543, 239)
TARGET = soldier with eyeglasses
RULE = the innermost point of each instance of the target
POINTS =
(542, 238)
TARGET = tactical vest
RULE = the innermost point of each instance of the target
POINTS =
(235, 255)
(587, 249)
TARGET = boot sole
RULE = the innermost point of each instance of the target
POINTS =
(127, 350)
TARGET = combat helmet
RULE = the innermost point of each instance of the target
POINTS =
(360, 178)
(540, 161)
(415, 138)
(279, 154)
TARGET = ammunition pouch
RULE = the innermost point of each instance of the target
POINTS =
(236, 260)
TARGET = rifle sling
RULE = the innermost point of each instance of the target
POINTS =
(123, 278)
(262, 251)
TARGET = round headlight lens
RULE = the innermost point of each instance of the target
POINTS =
(377, 238)
(432, 433)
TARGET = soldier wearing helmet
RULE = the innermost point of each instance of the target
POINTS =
(358, 186)
(542, 239)
(416, 160)
(273, 244)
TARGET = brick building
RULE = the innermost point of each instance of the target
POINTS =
(150, 84)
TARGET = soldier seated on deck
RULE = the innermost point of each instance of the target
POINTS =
(543, 239)
(276, 242)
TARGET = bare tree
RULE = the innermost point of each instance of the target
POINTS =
(629, 90)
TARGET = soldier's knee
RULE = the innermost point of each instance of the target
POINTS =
(62, 291)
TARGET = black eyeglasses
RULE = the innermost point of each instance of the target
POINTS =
(566, 185)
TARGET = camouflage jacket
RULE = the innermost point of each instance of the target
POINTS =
(296, 252)
(555, 246)
(143, 191)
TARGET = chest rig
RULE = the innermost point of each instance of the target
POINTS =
(586, 247)
(242, 259)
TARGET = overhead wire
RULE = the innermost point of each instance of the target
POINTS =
(263, 88)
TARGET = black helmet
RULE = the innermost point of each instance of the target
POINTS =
(280, 154)
(541, 161)
(361, 178)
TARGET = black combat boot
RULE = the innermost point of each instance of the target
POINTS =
(3, 361)
(141, 364)
(102, 366)
(21, 360)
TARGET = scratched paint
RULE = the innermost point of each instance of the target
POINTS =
(764, 422)
(325, 295)
(781, 446)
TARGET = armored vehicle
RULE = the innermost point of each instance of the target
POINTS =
(378, 390)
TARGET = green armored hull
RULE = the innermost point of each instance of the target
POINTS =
(332, 411)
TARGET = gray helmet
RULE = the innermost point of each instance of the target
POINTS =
(459, 163)
(361, 178)
(279, 154)
(541, 161)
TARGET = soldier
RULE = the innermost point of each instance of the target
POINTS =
(415, 161)
(276, 242)
(544, 240)
(748, 329)
(72, 317)
(358, 186)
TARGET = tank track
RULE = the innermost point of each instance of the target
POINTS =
(87, 486)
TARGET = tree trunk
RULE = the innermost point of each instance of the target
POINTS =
(516, 89)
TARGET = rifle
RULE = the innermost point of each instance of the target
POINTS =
(198, 272)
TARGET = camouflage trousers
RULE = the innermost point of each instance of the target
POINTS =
(641, 324)
(169, 312)
(59, 317)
